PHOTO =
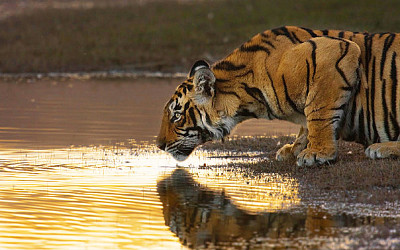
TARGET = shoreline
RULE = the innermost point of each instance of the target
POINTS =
(352, 178)
(106, 75)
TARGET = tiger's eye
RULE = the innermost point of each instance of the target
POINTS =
(176, 117)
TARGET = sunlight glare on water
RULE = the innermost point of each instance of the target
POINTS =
(50, 202)
(106, 197)
(251, 193)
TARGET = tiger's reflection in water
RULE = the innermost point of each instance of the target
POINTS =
(201, 217)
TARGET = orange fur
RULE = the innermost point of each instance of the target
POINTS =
(333, 83)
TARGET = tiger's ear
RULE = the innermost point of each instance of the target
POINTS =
(204, 81)
(198, 65)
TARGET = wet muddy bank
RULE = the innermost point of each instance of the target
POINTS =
(353, 178)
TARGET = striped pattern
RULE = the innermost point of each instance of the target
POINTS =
(373, 112)
(335, 83)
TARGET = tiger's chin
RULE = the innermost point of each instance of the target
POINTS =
(180, 157)
(183, 151)
(182, 154)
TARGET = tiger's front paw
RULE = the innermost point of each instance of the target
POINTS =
(309, 157)
(285, 153)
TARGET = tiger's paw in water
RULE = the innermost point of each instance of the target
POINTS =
(309, 157)
(383, 150)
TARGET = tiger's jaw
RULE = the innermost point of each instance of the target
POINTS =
(181, 150)
(179, 154)
(179, 157)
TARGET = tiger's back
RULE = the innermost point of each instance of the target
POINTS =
(373, 114)
(334, 83)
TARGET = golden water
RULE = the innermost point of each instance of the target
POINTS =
(58, 207)
(106, 198)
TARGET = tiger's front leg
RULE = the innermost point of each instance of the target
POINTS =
(322, 124)
(324, 112)
(335, 76)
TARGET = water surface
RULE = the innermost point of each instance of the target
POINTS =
(79, 170)
(54, 114)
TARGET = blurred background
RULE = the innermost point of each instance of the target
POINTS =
(161, 35)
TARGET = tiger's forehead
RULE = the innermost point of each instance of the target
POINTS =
(180, 94)
(184, 88)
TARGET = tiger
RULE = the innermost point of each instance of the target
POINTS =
(335, 84)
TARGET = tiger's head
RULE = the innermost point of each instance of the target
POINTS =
(189, 117)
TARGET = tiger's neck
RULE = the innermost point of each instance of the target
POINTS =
(245, 97)
(235, 102)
